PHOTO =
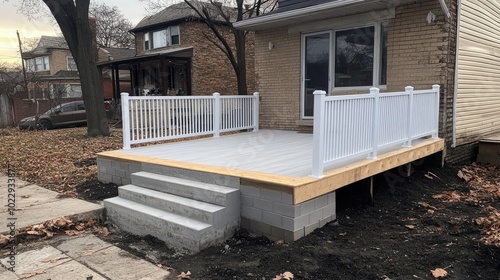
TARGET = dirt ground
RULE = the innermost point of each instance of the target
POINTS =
(431, 220)
(404, 234)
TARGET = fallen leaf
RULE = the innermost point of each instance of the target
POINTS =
(184, 275)
(4, 239)
(80, 227)
(287, 275)
(33, 273)
(71, 232)
(54, 260)
(103, 231)
(34, 232)
(89, 252)
(427, 205)
(439, 272)
(410, 226)
(428, 177)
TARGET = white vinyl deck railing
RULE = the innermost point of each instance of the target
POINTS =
(350, 126)
(156, 118)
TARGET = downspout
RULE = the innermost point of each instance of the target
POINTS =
(455, 86)
(445, 9)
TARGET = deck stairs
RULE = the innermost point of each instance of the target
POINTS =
(188, 215)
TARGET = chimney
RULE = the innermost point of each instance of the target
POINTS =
(93, 29)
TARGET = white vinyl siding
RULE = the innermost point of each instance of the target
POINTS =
(478, 67)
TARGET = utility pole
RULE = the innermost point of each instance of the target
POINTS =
(22, 63)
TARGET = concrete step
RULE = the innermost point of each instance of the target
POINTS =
(218, 195)
(198, 210)
(178, 231)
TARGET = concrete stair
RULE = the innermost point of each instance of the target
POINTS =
(188, 215)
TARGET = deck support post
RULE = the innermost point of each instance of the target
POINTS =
(371, 190)
(217, 114)
(318, 134)
(408, 169)
(125, 121)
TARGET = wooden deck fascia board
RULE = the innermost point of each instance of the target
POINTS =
(349, 174)
(302, 188)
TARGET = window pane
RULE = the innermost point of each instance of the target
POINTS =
(39, 63)
(159, 39)
(317, 64)
(71, 64)
(46, 63)
(354, 50)
(174, 35)
(383, 55)
(75, 91)
(146, 41)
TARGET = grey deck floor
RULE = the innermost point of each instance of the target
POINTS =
(279, 152)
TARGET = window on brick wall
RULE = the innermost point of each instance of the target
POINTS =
(162, 38)
(71, 64)
(342, 60)
(65, 91)
(36, 64)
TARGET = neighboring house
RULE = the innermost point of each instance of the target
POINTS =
(117, 80)
(52, 70)
(175, 57)
(346, 47)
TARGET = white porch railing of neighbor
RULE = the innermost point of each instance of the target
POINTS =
(156, 118)
(350, 126)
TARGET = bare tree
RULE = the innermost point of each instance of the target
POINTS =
(72, 16)
(112, 27)
(214, 12)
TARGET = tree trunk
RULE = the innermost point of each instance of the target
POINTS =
(241, 74)
(73, 19)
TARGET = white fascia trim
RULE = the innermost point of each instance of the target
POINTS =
(293, 13)
(445, 8)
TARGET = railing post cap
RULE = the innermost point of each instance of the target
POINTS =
(216, 94)
(322, 92)
(124, 94)
(256, 93)
(409, 88)
(374, 90)
(436, 86)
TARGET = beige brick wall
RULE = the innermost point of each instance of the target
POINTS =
(58, 61)
(422, 54)
(419, 54)
(211, 69)
(278, 78)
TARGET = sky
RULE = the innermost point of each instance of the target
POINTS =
(11, 20)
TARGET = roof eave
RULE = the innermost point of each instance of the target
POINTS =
(258, 23)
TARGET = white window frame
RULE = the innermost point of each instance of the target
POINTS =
(303, 69)
(33, 66)
(331, 80)
(68, 89)
(149, 38)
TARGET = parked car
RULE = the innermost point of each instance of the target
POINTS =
(66, 114)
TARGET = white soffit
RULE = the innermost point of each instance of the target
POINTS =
(318, 12)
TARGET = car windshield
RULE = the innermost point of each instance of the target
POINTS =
(58, 107)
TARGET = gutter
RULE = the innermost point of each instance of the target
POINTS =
(293, 13)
